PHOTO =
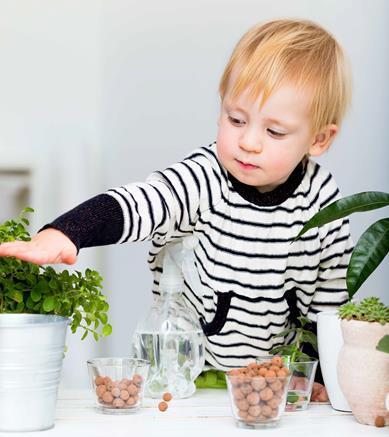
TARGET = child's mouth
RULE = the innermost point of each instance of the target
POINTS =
(246, 166)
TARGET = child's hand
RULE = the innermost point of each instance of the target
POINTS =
(319, 393)
(48, 247)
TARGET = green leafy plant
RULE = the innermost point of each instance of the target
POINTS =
(28, 288)
(372, 246)
(294, 349)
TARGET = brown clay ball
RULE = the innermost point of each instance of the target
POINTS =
(266, 394)
(246, 389)
(118, 403)
(99, 380)
(254, 410)
(276, 385)
(274, 402)
(122, 385)
(253, 399)
(167, 397)
(258, 383)
(100, 390)
(115, 392)
(132, 389)
(242, 414)
(124, 395)
(277, 361)
(107, 397)
(137, 380)
(266, 410)
(379, 421)
(131, 401)
(238, 395)
(242, 405)
(163, 406)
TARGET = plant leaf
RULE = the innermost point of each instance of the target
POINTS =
(370, 250)
(284, 333)
(48, 304)
(36, 295)
(15, 295)
(107, 330)
(383, 344)
(309, 337)
(359, 202)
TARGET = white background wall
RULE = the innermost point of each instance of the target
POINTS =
(101, 93)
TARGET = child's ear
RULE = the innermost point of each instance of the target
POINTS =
(323, 139)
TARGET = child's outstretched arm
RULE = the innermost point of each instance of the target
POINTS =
(166, 204)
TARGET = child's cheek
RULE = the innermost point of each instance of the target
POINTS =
(280, 165)
(224, 144)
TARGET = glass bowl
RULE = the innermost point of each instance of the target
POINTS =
(258, 393)
(118, 383)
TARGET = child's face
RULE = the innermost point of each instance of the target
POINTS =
(262, 147)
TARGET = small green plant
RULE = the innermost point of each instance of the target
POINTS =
(370, 309)
(294, 349)
(28, 288)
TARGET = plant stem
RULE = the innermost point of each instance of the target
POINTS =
(297, 347)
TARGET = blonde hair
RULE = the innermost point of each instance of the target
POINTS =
(299, 52)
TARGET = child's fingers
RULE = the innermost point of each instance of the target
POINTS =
(25, 251)
(13, 248)
(319, 393)
(322, 395)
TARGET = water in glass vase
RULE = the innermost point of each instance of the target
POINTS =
(176, 359)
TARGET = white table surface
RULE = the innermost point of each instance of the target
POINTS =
(207, 413)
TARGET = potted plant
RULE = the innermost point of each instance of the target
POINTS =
(365, 386)
(370, 250)
(36, 305)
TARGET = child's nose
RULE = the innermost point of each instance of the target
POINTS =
(251, 143)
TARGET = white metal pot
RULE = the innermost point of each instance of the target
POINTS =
(330, 342)
(31, 354)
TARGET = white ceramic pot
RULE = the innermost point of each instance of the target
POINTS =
(363, 371)
(330, 341)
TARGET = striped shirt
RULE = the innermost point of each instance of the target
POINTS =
(255, 279)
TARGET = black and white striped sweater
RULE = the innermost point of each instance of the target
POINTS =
(255, 281)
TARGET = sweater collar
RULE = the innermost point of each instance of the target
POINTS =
(274, 197)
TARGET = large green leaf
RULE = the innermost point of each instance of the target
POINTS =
(359, 202)
(370, 250)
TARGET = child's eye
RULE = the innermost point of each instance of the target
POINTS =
(236, 121)
(275, 133)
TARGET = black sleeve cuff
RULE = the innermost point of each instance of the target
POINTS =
(96, 222)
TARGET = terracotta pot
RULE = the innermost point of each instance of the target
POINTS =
(363, 371)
